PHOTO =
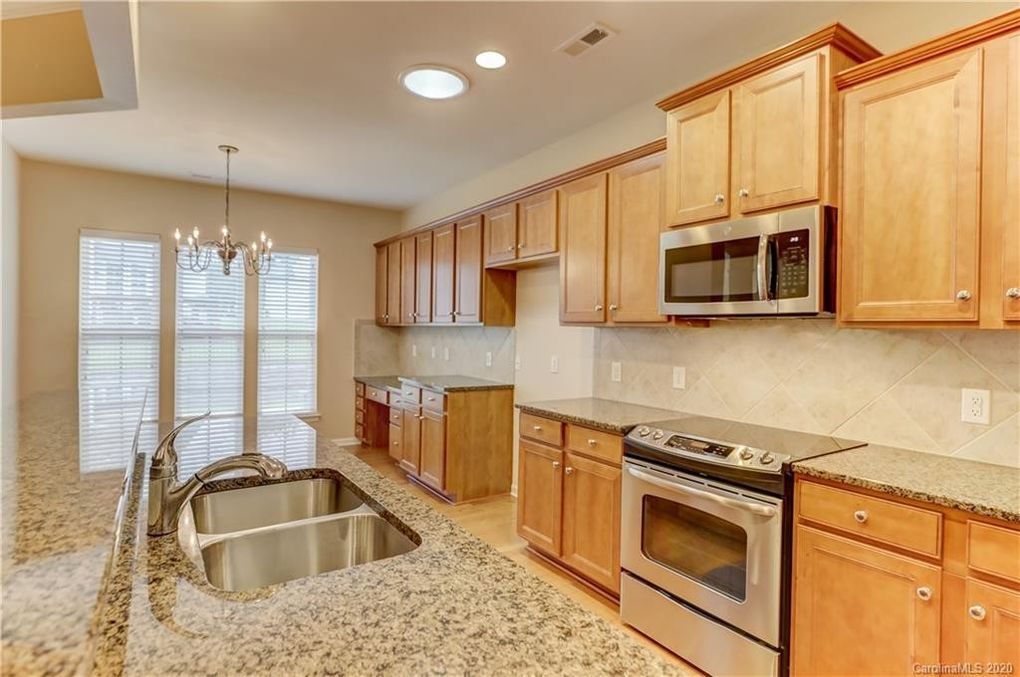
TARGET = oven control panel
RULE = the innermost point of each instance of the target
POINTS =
(709, 450)
(694, 446)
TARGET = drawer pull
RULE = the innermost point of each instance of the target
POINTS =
(592, 443)
(537, 428)
(568, 470)
(977, 612)
(924, 593)
(556, 464)
(431, 399)
(396, 444)
(861, 516)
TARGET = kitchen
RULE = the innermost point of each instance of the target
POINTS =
(732, 400)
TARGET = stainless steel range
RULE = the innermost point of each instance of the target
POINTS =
(705, 540)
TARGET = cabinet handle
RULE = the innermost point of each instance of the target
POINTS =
(455, 313)
(861, 516)
(592, 443)
(430, 399)
(556, 464)
(1013, 293)
(743, 192)
(598, 307)
(963, 295)
(612, 307)
(510, 248)
(719, 198)
(924, 593)
(420, 418)
(520, 246)
(386, 316)
(568, 470)
(977, 612)
(396, 444)
(537, 428)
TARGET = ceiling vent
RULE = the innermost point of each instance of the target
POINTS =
(586, 39)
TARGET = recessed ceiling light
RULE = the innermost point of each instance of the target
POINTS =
(434, 82)
(490, 60)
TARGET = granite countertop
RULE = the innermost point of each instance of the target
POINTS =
(381, 382)
(453, 383)
(609, 415)
(454, 605)
(980, 488)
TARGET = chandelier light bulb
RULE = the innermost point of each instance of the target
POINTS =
(194, 233)
(177, 234)
(262, 236)
(269, 243)
(191, 241)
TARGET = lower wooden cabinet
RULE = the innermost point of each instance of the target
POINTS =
(992, 626)
(395, 442)
(568, 503)
(432, 469)
(410, 435)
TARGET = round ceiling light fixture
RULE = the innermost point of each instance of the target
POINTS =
(491, 60)
(432, 81)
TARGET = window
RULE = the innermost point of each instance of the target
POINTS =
(288, 326)
(118, 344)
(209, 372)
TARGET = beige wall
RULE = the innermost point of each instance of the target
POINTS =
(10, 179)
(58, 200)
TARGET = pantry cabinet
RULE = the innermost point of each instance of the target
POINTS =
(443, 263)
(583, 257)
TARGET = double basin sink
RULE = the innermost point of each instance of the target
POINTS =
(256, 536)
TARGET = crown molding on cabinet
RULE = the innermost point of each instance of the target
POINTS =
(836, 35)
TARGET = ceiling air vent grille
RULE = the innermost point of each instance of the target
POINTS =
(586, 39)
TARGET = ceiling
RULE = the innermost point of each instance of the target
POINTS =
(309, 92)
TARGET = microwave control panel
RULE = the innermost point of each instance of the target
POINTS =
(792, 276)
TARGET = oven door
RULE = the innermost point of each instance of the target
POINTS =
(715, 547)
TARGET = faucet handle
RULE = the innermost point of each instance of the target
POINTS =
(165, 452)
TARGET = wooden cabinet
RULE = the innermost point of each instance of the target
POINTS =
(537, 229)
(861, 610)
(777, 137)
(423, 278)
(433, 449)
(1008, 51)
(395, 440)
(540, 496)
(992, 625)
(591, 499)
(443, 278)
(408, 275)
(500, 233)
(568, 500)
(410, 438)
(393, 264)
(636, 209)
(698, 170)
(468, 278)
(911, 194)
(583, 255)
(381, 260)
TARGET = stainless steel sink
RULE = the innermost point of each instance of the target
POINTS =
(265, 557)
(264, 505)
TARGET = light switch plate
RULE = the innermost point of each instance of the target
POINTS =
(975, 406)
(488, 359)
(554, 364)
(680, 378)
(517, 363)
(446, 354)
(615, 370)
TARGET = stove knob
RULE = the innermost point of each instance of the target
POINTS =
(643, 431)
(746, 455)
(657, 435)
(766, 458)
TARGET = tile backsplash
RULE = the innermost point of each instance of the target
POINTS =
(899, 388)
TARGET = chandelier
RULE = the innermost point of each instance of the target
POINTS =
(196, 255)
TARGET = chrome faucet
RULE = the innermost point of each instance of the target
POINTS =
(167, 496)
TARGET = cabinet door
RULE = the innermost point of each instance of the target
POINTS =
(393, 281)
(698, 160)
(591, 520)
(635, 220)
(537, 231)
(992, 623)
(423, 278)
(911, 194)
(432, 469)
(381, 259)
(410, 440)
(583, 253)
(859, 610)
(408, 273)
(776, 133)
(395, 440)
(468, 277)
(1010, 287)
(501, 234)
(442, 274)
(540, 496)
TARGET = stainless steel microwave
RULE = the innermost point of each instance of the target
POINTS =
(782, 263)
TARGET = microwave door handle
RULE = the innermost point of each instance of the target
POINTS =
(763, 278)
(760, 510)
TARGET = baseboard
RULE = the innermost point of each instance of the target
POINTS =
(346, 441)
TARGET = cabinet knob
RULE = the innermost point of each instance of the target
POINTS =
(430, 399)
(556, 464)
(963, 295)
(1013, 293)
(598, 307)
(568, 470)
(520, 245)
(612, 307)
(743, 192)
(537, 428)
(455, 313)
(719, 198)
(861, 516)
(924, 593)
(386, 316)
(592, 443)
(510, 248)
(977, 612)
(396, 444)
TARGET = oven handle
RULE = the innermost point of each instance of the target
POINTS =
(760, 510)
(763, 253)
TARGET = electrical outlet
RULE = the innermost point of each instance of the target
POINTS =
(446, 354)
(433, 352)
(517, 363)
(488, 359)
(680, 378)
(614, 372)
(554, 364)
(414, 350)
(975, 406)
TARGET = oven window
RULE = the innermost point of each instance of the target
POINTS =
(713, 272)
(696, 544)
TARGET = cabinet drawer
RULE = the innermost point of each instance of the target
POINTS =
(410, 395)
(359, 388)
(359, 432)
(900, 525)
(396, 416)
(433, 401)
(993, 550)
(359, 403)
(359, 416)
(542, 429)
(595, 443)
(376, 395)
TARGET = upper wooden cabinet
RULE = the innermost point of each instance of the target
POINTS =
(408, 278)
(423, 278)
(537, 230)
(760, 136)
(583, 257)
(381, 262)
(500, 233)
(393, 262)
(930, 175)
(443, 262)
(468, 279)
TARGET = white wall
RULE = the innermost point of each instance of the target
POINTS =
(10, 179)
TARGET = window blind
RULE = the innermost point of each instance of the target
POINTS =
(287, 439)
(288, 327)
(209, 440)
(118, 344)
(209, 370)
